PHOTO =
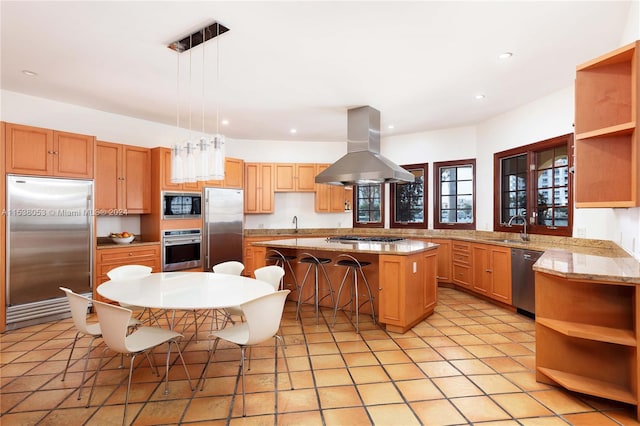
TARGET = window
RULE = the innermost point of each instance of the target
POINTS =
(408, 199)
(534, 182)
(454, 205)
(369, 206)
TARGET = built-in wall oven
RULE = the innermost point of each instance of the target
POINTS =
(181, 249)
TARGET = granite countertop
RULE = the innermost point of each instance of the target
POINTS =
(577, 258)
(403, 247)
(589, 266)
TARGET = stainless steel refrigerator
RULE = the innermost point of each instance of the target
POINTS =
(49, 244)
(223, 225)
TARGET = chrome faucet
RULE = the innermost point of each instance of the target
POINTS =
(295, 221)
(523, 235)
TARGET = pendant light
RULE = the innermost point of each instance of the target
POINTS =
(203, 160)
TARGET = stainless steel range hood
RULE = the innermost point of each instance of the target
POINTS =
(363, 163)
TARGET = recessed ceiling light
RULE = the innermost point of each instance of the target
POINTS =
(505, 55)
(29, 73)
(293, 131)
(480, 96)
(225, 122)
(391, 127)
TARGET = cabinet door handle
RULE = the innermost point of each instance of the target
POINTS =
(488, 270)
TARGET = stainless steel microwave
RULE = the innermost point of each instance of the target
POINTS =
(181, 205)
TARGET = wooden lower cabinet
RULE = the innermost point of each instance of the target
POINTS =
(587, 334)
(492, 271)
(112, 257)
(444, 259)
(409, 292)
(461, 263)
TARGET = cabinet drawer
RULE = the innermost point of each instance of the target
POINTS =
(462, 274)
(120, 255)
(461, 246)
(462, 258)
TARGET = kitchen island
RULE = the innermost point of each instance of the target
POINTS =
(402, 274)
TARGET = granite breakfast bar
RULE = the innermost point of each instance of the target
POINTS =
(402, 274)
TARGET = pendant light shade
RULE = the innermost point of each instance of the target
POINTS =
(202, 160)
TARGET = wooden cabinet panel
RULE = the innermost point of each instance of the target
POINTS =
(258, 193)
(137, 179)
(492, 271)
(165, 174)
(607, 155)
(407, 289)
(28, 150)
(501, 267)
(108, 175)
(109, 258)
(481, 270)
(392, 294)
(233, 173)
(73, 155)
(444, 259)
(44, 152)
(461, 263)
(123, 178)
(292, 177)
(331, 198)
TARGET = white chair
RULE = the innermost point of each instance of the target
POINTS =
(79, 306)
(231, 267)
(133, 271)
(113, 321)
(263, 316)
(271, 274)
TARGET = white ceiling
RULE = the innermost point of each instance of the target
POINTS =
(303, 64)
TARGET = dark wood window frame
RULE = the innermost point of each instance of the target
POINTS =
(531, 189)
(357, 224)
(424, 167)
(436, 196)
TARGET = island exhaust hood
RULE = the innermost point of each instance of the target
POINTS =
(363, 163)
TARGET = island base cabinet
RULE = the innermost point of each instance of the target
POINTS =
(407, 289)
(587, 336)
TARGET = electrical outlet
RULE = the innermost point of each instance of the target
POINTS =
(581, 232)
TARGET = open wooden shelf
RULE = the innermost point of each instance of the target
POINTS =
(607, 155)
(589, 386)
(591, 332)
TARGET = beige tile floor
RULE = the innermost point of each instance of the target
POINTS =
(469, 363)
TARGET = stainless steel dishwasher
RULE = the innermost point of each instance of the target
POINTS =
(523, 287)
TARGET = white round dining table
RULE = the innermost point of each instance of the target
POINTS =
(185, 290)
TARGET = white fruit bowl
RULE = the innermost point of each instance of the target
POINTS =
(124, 240)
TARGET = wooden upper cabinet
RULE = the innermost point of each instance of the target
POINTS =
(607, 151)
(137, 179)
(258, 188)
(295, 177)
(123, 178)
(331, 198)
(44, 152)
(233, 175)
(165, 174)
(108, 175)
